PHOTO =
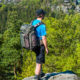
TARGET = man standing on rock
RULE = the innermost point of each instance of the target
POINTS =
(40, 51)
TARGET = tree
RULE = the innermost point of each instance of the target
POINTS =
(10, 50)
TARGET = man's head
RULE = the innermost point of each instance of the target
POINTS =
(40, 13)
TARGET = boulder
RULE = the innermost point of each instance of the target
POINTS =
(67, 75)
(64, 77)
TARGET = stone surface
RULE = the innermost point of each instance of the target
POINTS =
(58, 76)
(29, 78)
(64, 77)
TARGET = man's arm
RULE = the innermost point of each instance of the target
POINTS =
(45, 43)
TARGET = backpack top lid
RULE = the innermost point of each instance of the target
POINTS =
(25, 28)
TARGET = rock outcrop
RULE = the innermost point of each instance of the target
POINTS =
(67, 75)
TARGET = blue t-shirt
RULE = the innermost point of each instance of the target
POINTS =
(40, 30)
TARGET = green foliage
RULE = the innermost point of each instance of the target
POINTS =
(10, 49)
(63, 42)
(0, 39)
(28, 67)
(63, 37)
(2, 6)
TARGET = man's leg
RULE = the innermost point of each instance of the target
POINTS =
(40, 59)
(38, 69)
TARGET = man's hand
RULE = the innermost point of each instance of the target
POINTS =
(47, 51)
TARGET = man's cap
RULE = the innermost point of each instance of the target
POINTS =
(40, 11)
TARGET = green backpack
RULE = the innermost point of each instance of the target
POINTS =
(28, 37)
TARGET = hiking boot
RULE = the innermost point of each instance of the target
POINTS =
(36, 77)
(42, 74)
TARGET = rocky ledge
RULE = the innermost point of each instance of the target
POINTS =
(67, 75)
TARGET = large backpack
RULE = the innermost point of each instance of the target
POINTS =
(28, 37)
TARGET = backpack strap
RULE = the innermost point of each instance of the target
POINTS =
(38, 24)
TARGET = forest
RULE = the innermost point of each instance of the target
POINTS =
(63, 38)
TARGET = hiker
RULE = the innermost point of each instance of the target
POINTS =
(41, 34)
